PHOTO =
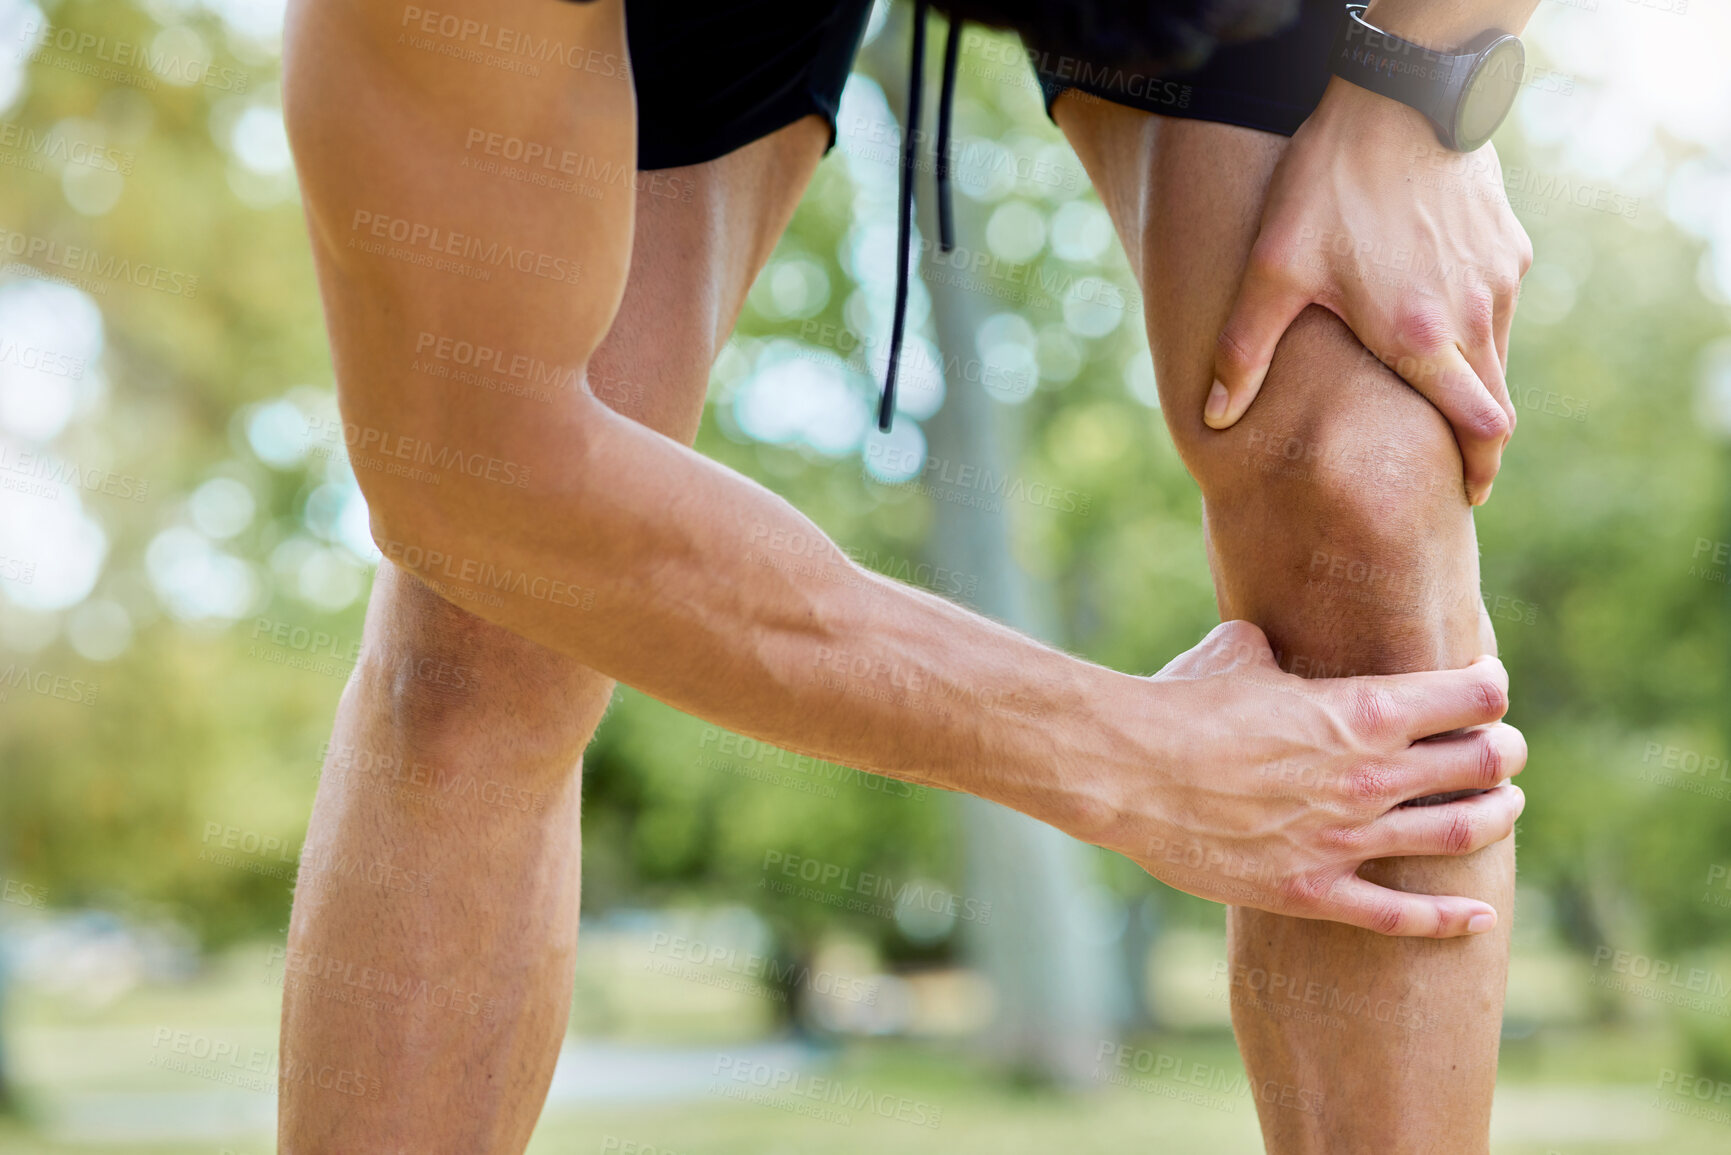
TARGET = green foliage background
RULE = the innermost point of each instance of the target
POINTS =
(1593, 526)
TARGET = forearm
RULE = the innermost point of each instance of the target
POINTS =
(707, 591)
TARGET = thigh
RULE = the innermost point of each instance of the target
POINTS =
(703, 234)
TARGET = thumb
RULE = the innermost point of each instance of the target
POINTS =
(1267, 304)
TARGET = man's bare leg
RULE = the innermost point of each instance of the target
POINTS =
(471, 791)
(1336, 521)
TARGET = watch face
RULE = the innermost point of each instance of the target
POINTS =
(1490, 93)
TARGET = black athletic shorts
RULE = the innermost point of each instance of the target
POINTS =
(1272, 84)
(714, 77)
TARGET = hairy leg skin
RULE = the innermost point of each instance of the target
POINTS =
(1337, 521)
(494, 935)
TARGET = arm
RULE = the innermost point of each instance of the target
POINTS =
(646, 561)
(1413, 246)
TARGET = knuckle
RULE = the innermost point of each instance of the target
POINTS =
(1457, 836)
(1479, 308)
(1240, 634)
(1346, 840)
(1273, 258)
(1374, 711)
(1370, 785)
(1491, 770)
(1304, 891)
(1492, 700)
(1384, 918)
(1487, 421)
(1423, 327)
(1523, 248)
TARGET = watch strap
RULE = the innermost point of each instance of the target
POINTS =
(1418, 77)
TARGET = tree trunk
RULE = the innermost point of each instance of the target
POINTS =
(1057, 977)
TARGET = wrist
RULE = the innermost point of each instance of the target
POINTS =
(1369, 119)
(1102, 754)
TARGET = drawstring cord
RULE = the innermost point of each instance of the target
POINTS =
(905, 199)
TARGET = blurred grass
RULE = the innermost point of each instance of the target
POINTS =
(1561, 1088)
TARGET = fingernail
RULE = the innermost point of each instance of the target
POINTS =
(1216, 407)
(1480, 923)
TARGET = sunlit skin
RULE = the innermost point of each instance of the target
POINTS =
(648, 546)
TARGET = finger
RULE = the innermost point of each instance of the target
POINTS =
(1417, 336)
(1476, 406)
(1481, 758)
(1450, 830)
(1268, 301)
(1394, 912)
(1415, 706)
(1487, 368)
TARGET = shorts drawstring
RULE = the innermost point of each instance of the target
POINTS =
(905, 198)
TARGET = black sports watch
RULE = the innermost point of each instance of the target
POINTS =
(1464, 94)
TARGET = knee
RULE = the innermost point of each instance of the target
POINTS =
(455, 686)
(1341, 482)
(1337, 439)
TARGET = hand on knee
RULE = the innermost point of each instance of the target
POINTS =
(1340, 496)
